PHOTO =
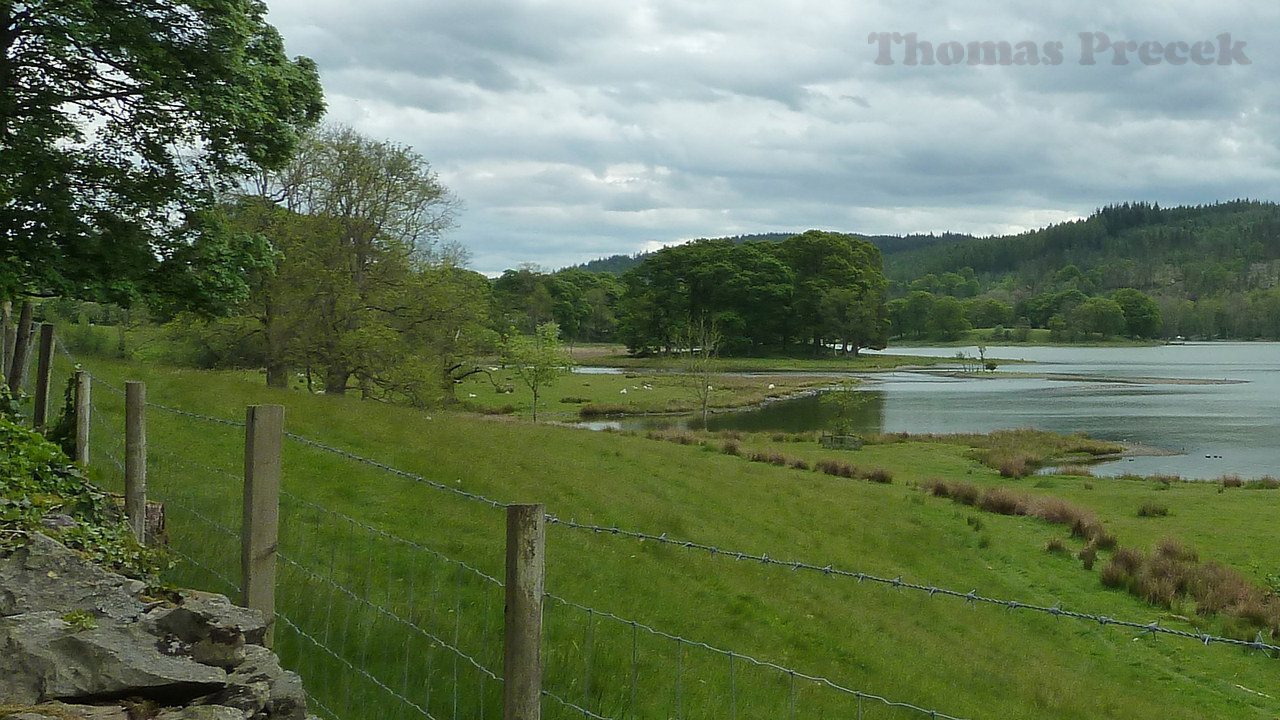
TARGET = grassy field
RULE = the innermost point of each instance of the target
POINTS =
(352, 588)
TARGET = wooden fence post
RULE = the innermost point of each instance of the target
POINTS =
(40, 414)
(522, 636)
(135, 458)
(21, 349)
(259, 534)
(83, 408)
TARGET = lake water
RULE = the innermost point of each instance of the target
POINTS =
(1232, 427)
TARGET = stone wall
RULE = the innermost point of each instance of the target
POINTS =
(79, 642)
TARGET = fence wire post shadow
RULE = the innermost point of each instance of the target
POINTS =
(522, 636)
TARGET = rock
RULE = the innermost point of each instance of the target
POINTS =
(72, 631)
(216, 630)
(44, 575)
(44, 658)
(58, 521)
(286, 700)
(202, 712)
(62, 711)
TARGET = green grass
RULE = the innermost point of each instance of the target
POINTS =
(965, 660)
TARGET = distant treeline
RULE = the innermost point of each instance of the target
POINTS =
(1211, 272)
(1135, 270)
(816, 289)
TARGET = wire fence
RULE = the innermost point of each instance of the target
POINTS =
(372, 619)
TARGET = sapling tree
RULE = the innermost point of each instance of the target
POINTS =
(702, 341)
(537, 359)
(844, 399)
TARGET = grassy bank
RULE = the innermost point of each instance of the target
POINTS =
(1034, 336)
(945, 654)
(615, 356)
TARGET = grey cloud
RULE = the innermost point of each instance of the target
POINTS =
(575, 129)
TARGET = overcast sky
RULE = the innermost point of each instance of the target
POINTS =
(576, 129)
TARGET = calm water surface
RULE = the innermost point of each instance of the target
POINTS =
(1238, 421)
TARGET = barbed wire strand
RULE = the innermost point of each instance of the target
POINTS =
(313, 700)
(681, 642)
(573, 706)
(389, 536)
(361, 671)
(394, 471)
(1153, 628)
(229, 582)
(339, 587)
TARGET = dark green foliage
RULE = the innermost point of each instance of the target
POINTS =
(36, 480)
(817, 289)
(120, 121)
(1197, 271)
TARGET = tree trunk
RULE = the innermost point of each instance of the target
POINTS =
(448, 388)
(335, 382)
(277, 375)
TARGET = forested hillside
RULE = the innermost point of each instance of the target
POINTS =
(1211, 271)
(887, 244)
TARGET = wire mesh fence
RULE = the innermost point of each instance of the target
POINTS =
(409, 624)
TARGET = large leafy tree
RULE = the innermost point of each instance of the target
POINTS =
(120, 122)
(358, 223)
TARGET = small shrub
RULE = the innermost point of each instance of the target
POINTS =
(571, 400)
(1150, 509)
(1015, 467)
(1055, 545)
(836, 468)
(1088, 486)
(1165, 480)
(1120, 569)
(878, 475)
(1104, 540)
(1058, 511)
(799, 464)
(999, 500)
(1087, 556)
(771, 457)
(965, 493)
(731, 447)
(1263, 483)
(1231, 481)
(937, 487)
(1173, 549)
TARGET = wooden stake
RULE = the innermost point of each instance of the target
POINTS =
(259, 534)
(526, 582)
